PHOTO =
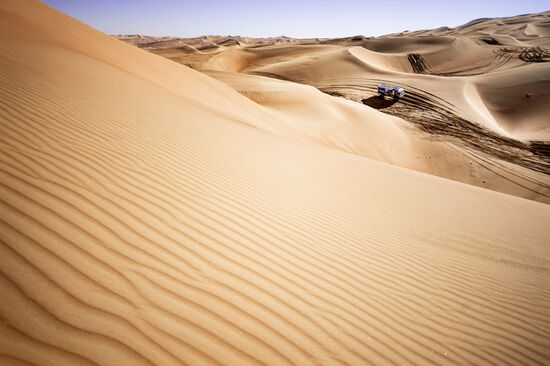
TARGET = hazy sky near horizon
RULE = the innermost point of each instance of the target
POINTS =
(294, 18)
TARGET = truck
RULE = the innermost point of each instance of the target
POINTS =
(391, 91)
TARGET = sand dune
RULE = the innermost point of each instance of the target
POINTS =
(480, 94)
(304, 112)
(152, 215)
(530, 28)
(519, 99)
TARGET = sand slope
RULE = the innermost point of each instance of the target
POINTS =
(306, 113)
(453, 114)
(147, 219)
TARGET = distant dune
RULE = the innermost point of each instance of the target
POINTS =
(152, 214)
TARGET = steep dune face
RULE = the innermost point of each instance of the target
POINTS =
(383, 62)
(519, 99)
(409, 45)
(147, 218)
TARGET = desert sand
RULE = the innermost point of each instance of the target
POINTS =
(152, 214)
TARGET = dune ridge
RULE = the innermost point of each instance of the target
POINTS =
(152, 215)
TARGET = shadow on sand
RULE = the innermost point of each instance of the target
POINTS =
(379, 103)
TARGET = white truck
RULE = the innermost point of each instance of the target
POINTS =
(391, 91)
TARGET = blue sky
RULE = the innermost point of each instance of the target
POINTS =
(295, 18)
